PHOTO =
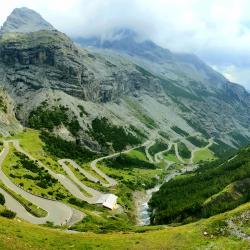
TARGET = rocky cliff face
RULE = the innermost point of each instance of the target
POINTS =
(8, 121)
(49, 59)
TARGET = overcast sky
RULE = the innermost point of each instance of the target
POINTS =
(218, 31)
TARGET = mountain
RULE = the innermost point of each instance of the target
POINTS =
(188, 81)
(25, 20)
(84, 128)
(131, 82)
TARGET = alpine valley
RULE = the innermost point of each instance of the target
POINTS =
(117, 137)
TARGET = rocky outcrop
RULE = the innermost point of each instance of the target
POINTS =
(49, 59)
(25, 20)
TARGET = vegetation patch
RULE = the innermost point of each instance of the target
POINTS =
(124, 161)
(31, 177)
(179, 131)
(197, 141)
(157, 147)
(63, 149)
(240, 139)
(222, 149)
(105, 133)
(2, 199)
(183, 150)
(8, 214)
(45, 117)
(185, 199)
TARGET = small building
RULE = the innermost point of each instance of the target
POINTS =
(109, 201)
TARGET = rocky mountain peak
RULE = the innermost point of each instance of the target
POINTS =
(25, 20)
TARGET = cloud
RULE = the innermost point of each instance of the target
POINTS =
(216, 30)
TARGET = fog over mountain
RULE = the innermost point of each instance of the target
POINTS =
(216, 31)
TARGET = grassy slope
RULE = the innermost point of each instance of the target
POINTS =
(203, 155)
(18, 176)
(21, 235)
(98, 220)
(31, 143)
(171, 157)
(184, 199)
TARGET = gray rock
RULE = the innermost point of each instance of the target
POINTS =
(25, 20)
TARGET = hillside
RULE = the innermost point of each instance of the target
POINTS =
(214, 188)
(193, 87)
(136, 83)
(211, 233)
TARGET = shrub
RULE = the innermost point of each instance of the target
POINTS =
(183, 150)
(2, 199)
(63, 149)
(8, 214)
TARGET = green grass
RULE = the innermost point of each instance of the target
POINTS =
(171, 157)
(137, 154)
(29, 179)
(23, 236)
(204, 155)
(30, 141)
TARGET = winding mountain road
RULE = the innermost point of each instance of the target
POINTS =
(111, 181)
(57, 212)
(148, 146)
(72, 187)
(159, 156)
(94, 194)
